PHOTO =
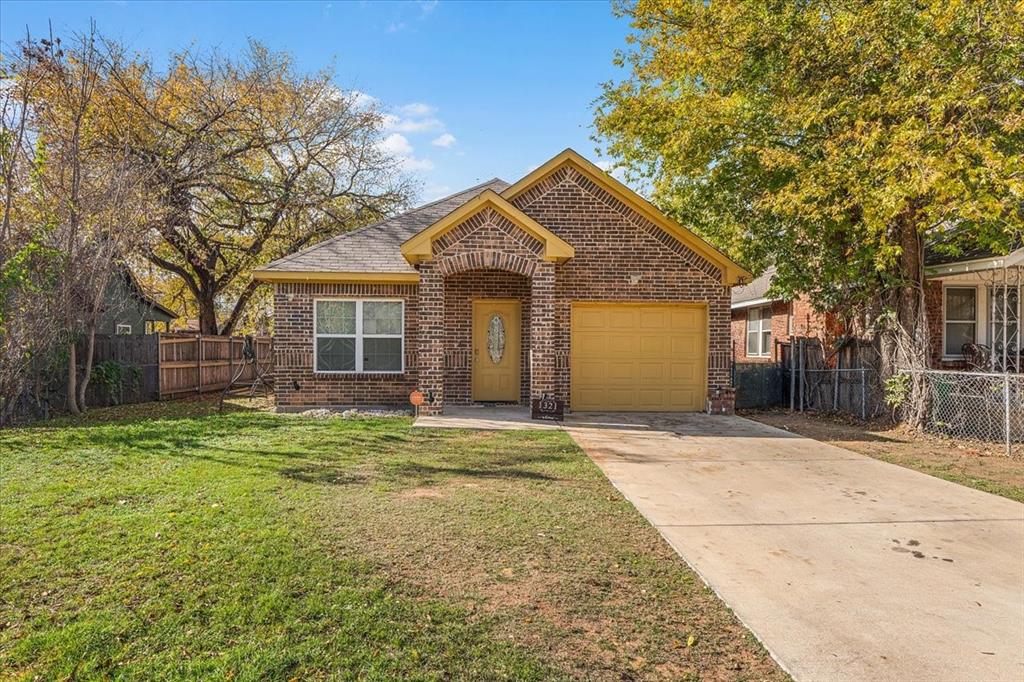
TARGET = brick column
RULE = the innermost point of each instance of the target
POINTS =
(430, 354)
(542, 331)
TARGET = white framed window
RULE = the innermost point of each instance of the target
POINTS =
(960, 319)
(358, 336)
(123, 329)
(759, 332)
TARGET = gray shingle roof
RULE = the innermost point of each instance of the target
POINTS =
(754, 291)
(377, 247)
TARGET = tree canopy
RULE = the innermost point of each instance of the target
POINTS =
(828, 136)
(251, 160)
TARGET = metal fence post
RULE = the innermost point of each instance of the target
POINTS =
(863, 394)
(801, 375)
(1006, 408)
(792, 374)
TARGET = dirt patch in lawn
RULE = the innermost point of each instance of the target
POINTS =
(977, 465)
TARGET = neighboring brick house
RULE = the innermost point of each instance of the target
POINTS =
(564, 285)
(762, 325)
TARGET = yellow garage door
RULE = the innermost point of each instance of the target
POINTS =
(638, 357)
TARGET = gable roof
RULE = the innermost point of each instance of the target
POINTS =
(386, 251)
(756, 292)
(732, 272)
(419, 247)
(371, 253)
(140, 293)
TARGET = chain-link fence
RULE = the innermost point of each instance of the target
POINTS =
(975, 405)
(856, 391)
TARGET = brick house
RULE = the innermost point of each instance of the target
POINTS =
(763, 325)
(967, 298)
(565, 284)
(974, 309)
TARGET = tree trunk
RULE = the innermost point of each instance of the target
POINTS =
(84, 384)
(72, 379)
(907, 346)
(207, 313)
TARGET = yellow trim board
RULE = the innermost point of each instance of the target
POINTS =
(341, 277)
(419, 247)
(732, 272)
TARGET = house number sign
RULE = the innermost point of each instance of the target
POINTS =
(548, 409)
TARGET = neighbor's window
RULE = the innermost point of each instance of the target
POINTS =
(961, 318)
(358, 336)
(759, 332)
(124, 329)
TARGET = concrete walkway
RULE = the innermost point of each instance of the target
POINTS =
(847, 568)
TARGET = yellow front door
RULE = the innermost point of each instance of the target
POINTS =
(496, 350)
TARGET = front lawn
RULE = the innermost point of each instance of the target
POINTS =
(167, 541)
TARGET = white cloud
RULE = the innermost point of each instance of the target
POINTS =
(412, 164)
(427, 6)
(396, 26)
(398, 146)
(412, 125)
(362, 99)
(605, 165)
(417, 109)
(444, 140)
(395, 145)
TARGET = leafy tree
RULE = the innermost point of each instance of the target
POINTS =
(252, 161)
(829, 137)
(72, 205)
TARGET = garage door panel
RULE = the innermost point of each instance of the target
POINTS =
(621, 319)
(686, 345)
(589, 318)
(592, 345)
(652, 372)
(619, 345)
(653, 318)
(683, 372)
(621, 373)
(654, 345)
(630, 357)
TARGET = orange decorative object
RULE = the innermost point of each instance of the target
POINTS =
(416, 398)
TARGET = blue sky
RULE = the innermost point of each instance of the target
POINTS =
(474, 89)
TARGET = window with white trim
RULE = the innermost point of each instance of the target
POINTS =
(759, 332)
(358, 336)
(123, 329)
(960, 319)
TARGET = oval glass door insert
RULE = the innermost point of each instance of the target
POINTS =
(496, 338)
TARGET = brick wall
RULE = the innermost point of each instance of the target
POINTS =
(459, 292)
(293, 349)
(806, 322)
(621, 256)
(780, 312)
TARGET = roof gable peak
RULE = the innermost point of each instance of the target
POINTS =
(420, 247)
(732, 272)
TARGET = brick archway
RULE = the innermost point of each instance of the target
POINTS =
(486, 260)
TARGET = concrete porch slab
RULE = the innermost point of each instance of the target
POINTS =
(485, 418)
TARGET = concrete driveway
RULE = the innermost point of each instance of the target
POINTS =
(846, 568)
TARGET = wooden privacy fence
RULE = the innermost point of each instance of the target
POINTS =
(195, 363)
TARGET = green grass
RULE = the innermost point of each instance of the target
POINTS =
(169, 542)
